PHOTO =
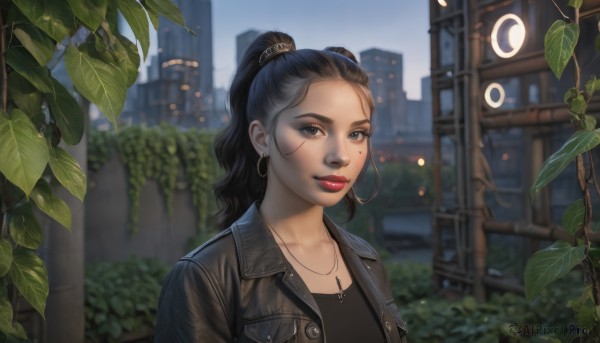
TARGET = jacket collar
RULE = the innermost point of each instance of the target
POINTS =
(260, 256)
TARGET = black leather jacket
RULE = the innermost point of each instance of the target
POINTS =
(238, 287)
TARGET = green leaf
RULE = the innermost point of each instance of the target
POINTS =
(29, 275)
(589, 123)
(167, 9)
(67, 113)
(24, 152)
(68, 172)
(5, 257)
(24, 228)
(592, 85)
(6, 321)
(578, 105)
(575, 3)
(25, 65)
(550, 264)
(54, 207)
(99, 82)
(570, 94)
(578, 143)
(39, 45)
(52, 16)
(572, 219)
(90, 12)
(137, 19)
(559, 44)
(131, 64)
(25, 95)
(152, 14)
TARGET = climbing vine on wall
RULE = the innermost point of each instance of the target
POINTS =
(200, 170)
(165, 154)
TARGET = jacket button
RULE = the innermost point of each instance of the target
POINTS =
(313, 330)
(388, 326)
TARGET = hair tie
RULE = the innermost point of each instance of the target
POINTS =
(272, 51)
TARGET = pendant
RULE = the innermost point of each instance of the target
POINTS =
(341, 294)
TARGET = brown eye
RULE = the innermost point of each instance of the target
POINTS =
(310, 130)
(359, 135)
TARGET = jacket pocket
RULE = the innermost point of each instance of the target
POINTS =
(271, 330)
(395, 321)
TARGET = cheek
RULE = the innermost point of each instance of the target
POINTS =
(290, 146)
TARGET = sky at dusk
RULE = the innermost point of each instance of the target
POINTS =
(396, 25)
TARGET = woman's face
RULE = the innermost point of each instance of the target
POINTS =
(322, 144)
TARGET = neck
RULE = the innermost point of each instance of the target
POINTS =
(298, 224)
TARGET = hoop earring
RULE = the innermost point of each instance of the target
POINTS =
(262, 155)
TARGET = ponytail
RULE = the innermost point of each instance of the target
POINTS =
(242, 185)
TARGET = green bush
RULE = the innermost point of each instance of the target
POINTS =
(434, 319)
(121, 297)
(410, 281)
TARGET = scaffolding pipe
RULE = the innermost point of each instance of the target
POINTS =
(541, 115)
(477, 188)
(530, 63)
(552, 233)
(502, 285)
(437, 151)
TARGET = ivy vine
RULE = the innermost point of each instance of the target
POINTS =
(161, 153)
(200, 168)
(100, 148)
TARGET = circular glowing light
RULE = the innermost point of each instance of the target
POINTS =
(494, 103)
(508, 35)
(442, 3)
(421, 162)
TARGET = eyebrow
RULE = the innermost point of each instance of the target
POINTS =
(328, 120)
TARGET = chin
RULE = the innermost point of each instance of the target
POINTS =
(330, 201)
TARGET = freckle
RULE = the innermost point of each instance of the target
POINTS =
(360, 152)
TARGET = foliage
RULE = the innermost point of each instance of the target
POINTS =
(38, 113)
(434, 319)
(100, 147)
(161, 153)
(121, 297)
(410, 281)
(554, 262)
(403, 181)
(201, 168)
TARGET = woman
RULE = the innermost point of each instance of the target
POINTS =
(282, 271)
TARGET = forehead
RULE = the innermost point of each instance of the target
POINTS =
(335, 98)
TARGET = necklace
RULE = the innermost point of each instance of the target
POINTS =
(341, 293)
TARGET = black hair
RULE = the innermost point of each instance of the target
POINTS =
(259, 91)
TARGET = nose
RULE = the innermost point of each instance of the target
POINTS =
(338, 154)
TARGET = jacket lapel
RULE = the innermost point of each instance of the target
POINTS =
(260, 256)
(354, 251)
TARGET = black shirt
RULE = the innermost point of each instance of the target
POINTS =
(350, 321)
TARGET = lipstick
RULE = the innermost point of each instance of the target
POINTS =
(332, 183)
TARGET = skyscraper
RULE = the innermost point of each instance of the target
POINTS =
(183, 93)
(385, 69)
(242, 41)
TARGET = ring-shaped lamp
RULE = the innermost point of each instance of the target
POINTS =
(515, 35)
(488, 95)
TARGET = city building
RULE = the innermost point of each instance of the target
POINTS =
(179, 89)
(385, 69)
(242, 41)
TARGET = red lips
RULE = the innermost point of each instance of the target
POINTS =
(334, 178)
(332, 183)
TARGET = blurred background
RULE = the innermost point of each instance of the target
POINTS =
(467, 110)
